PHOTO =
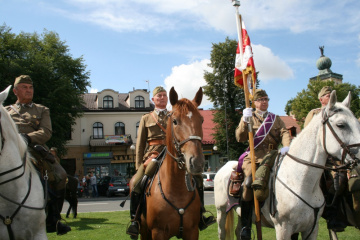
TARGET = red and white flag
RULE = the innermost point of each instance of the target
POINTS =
(244, 61)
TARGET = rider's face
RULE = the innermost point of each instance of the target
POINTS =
(160, 100)
(24, 92)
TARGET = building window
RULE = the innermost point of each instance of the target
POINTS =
(119, 128)
(98, 130)
(139, 102)
(108, 102)
(137, 128)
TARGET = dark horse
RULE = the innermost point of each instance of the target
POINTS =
(172, 203)
(71, 195)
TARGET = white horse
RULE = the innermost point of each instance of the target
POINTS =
(298, 199)
(22, 198)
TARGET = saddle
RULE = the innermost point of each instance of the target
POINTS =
(236, 180)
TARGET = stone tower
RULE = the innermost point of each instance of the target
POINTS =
(325, 74)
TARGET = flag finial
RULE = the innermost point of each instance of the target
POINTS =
(236, 3)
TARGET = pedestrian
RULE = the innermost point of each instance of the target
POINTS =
(94, 185)
(85, 185)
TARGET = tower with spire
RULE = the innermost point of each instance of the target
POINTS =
(325, 74)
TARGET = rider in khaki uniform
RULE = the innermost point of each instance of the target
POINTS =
(150, 142)
(34, 125)
(324, 96)
(277, 135)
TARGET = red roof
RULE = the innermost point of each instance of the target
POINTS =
(291, 122)
(208, 126)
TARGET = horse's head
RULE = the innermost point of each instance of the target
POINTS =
(184, 131)
(341, 130)
(8, 129)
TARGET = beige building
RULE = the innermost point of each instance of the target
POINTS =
(103, 139)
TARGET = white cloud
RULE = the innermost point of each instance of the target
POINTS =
(269, 66)
(93, 90)
(187, 79)
(160, 15)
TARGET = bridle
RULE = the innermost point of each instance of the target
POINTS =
(7, 220)
(180, 159)
(346, 151)
(346, 148)
(182, 165)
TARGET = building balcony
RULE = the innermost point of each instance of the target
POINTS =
(110, 140)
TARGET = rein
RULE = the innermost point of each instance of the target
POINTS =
(8, 220)
(346, 148)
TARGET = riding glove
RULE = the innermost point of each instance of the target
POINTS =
(247, 114)
(284, 150)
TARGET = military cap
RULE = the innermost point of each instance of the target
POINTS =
(23, 79)
(158, 89)
(325, 90)
(259, 93)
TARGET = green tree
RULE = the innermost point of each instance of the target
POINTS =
(59, 79)
(227, 98)
(307, 99)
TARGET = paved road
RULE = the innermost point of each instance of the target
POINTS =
(104, 204)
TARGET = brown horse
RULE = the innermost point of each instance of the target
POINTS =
(172, 206)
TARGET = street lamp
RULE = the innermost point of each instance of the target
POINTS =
(133, 147)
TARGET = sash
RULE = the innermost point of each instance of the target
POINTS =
(259, 137)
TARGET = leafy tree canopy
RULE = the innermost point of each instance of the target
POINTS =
(59, 79)
(307, 99)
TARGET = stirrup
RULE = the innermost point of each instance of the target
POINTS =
(133, 234)
(247, 237)
(210, 220)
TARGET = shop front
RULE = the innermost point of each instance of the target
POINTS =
(97, 162)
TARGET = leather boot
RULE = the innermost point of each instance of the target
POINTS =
(204, 221)
(53, 215)
(133, 229)
(246, 220)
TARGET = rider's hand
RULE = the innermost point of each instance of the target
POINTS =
(247, 114)
(284, 150)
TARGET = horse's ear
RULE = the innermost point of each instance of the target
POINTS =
(332, 100)
(347, 100)
(4, 94)
(173, 96)
(198, 97)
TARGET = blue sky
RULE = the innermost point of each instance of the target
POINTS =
(126, 43)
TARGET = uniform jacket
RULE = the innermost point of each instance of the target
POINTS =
(278, 130)
(149, 130)
(34, 120)
(310, 116)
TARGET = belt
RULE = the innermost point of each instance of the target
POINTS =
(156, 142)
(271, 146)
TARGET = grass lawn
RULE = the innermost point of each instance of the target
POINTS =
(112, 225)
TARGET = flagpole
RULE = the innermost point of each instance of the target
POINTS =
(250, 132)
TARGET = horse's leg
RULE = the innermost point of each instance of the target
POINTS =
(68, 211)
(283, 232)
(191, 234)
(313, 234)
(221, 220)
(75, 205)
(332, 235)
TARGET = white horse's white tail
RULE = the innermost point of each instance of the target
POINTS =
(229, 225)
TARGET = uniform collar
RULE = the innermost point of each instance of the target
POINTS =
(262, 114)
(25, 105)
(158, 111)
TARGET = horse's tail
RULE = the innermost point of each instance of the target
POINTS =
(229, 225)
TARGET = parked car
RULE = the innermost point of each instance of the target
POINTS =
(208, 178)
(109, 186)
